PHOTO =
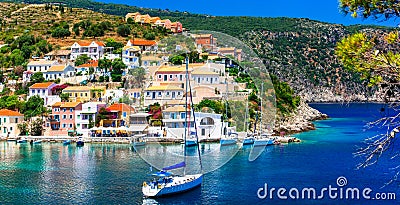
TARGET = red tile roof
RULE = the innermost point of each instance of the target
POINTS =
(6, 112)
(41, 85)
(92, 63)
(142, 42)
(121, 107)
(83, 43)
(100, 43)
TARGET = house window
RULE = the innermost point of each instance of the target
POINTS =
(203, 132)
(172, 115)
(124, 114)
(64, 125)
(71, 109)
(78, 125)
(65, 110)
(70, 116)
(33, 91)
(165, 77)
(43, 91)
(85, 94)
(88, 108)
(5, 120)
(147, 93)
(170, 76)
(64, 116)
(10, 128)
(4, 129)
(159, 76)
(79, 117)
(167, 93)
(16, 120)
(183, 115)
(70, 125)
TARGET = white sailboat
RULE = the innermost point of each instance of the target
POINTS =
(167, 183)
(249, 139)
(263, 139)
(231, 138)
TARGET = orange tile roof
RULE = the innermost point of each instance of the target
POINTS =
(142, 42)
(6, 112)
(121, 107)
(57, 67)
(100, 43)
(66, 104)
(84, 43)
(41, 85)
(90, 64)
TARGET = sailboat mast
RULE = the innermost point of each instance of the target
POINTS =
(226, 104)
(261, 96)
(245, 116)
(186, 109)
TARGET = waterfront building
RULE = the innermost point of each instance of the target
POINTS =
(44, 90)
(119, 115)
(62, 118)
(9, 121)
(85, 119)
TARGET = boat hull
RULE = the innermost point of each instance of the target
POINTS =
(37, 142)
(263, 142)
(228, 142)
(67, 142)
(136, 144)
(179, 184)
(22, 141)
(248, 141)
(80, 143)
(191, 143)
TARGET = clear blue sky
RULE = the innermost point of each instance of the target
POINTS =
(321, 10)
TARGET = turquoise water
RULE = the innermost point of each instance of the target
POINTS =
(113, 174)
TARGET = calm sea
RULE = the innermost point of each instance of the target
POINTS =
(113, 174)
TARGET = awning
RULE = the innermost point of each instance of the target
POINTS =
(137, 128)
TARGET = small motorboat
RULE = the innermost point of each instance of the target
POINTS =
(67, 142)
(22, 140)
(37, 142)
(80, 142)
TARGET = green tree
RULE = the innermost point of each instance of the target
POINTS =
(64, 97)
(17, 57)
(23, 128)
(34, 107)
(124, 30)
(378, 61)
(82, 59)
(118, 68)
(37, 78)
(37, 127)
(177, 60)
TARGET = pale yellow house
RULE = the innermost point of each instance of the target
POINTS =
(85, 93)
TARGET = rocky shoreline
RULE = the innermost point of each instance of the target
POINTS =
(300, 121)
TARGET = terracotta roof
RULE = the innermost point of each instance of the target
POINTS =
(6, 112)
(175, 109)
(69, 104)
(57, 67)
(202, 35)
(142, 42)
(164, 87)
(226, 49)
(57, 104)
(100, 43)
(41, 62)
(120, 107)
(84, 43)
(90, 64)
(41, 85)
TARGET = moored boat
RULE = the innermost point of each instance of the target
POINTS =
(138, 140)
(249, 140)
(22, 140)
(80, 142)
(66, 142)
(37, 142)
(230, 140)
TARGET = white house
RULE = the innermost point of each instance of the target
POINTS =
(162, 94)
(9, 121)
(94, 49)
(43, 90)
(87, 116)
(143, 44)
(209, 125)
(36, 66)
(59, 71)
(130, 56)
(205, 77)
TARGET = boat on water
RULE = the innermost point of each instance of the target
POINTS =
(37, 142)
(138, 140)
(22, 140)
(80, 142)
(66, 142)
(249, 140)
(191, 142)
(167, 183)
(230, 140)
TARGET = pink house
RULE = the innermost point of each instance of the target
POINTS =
(176, 27)
(62, 118)
(166, 23)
